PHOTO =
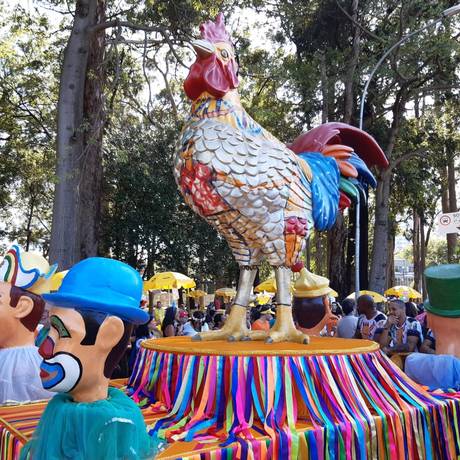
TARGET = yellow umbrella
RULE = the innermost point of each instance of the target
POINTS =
(197, 293)
(56, 280)
(147, 286)
(170, 280)
(375, 295)
(269, 285)
(403, 291)
(263, 299)
(226, 292)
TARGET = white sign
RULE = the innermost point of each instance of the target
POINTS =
(449, 223)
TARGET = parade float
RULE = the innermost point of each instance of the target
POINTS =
(237, 393)
(242, 394)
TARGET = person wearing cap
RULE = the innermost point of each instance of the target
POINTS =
(263, 322)
(311, 305)
(440, 370)
(91, 321)
(23, 277)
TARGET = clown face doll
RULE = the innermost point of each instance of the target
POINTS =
(311, 308)
(23, 276)
(90, 325)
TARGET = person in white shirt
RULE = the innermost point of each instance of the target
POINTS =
(400, 333)
(370, 319)
(196, 324)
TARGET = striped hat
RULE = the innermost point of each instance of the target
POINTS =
(26, 270)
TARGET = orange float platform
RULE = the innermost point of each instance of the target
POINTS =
(331, 399)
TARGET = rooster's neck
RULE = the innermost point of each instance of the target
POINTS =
(227, 109)
(207, 106)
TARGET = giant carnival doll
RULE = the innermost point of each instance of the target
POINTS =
(23, 277)
(90, 325)
(311, 306)
(440, 370)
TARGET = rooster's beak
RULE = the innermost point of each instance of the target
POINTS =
(203, 48)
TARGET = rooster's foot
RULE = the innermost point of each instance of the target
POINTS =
(234, 329)
(284, 329)
(287, 335)
(255, 335)
(232, 335)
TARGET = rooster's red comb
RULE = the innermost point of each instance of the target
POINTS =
(215, 31)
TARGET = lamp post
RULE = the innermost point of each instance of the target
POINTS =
(453, 10)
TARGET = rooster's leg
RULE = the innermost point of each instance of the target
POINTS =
(284, 329)
(235, 327)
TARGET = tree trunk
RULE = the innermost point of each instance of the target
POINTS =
(416, 250)
(324, 87)
(319, 257)
(308, 254)
(70, 240)
(364, 247)
(380, 261)
(390, 268)
(341, 270)
(91, 160)
(422, 253)
(336, 241)
(29, 223)
(350, 261)
(351, 67)
(377, 280)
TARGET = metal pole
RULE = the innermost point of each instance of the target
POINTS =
(357, 243)
(446, 13)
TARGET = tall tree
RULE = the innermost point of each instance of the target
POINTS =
(79, 139)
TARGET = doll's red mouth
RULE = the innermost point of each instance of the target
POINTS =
(44, 374)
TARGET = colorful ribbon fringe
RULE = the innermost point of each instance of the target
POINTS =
(344, 407)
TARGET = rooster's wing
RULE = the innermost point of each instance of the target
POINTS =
(254, 174)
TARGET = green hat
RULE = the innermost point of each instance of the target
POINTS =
(443, 286)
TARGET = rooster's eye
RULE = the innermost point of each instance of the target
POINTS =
(224, 54)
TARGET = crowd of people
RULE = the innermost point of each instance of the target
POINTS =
(399, 327)
(396, 325)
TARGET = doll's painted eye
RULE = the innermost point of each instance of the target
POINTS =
(59, 326)
(224, 54)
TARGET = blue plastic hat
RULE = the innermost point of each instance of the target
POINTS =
(104, 285)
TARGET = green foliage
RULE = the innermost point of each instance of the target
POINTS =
(436, 252)
(283, 86)
(146, 221)
(29, 68)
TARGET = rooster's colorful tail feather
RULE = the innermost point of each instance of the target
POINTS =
(340, 174)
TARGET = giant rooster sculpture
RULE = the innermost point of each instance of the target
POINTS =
(263, 197)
